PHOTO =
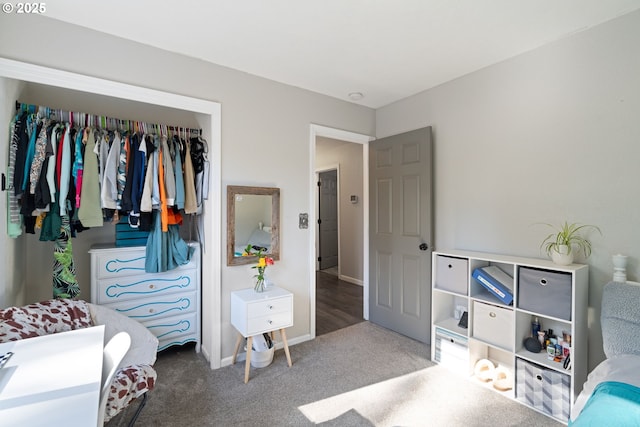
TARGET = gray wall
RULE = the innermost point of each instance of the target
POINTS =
(264, 126)
(548, 136)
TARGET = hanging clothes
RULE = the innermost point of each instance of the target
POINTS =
(190, 200)
(14, 219)
(65, 283)
(65, 178)
(78, 166)
(90, 212)
(179, 174)
(165, 250)
(109, 189)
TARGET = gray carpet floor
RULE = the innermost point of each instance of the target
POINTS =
(363, 375)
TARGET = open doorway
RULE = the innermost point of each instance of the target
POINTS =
(339, 235)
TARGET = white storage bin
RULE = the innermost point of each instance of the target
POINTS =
(452, 351)
(493, 325)
(545, 292)
(261, 359)
(452, 274)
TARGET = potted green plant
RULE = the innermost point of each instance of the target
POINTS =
(562, 244)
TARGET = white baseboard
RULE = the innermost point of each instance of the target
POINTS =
(351, 280)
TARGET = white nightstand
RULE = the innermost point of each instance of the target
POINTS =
(254, 313)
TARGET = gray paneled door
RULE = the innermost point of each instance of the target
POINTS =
(328, 221)
(400, 233)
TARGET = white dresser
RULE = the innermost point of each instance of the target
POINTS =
(167, 303)
(254, 313)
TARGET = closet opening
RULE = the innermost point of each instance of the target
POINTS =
(38, 85)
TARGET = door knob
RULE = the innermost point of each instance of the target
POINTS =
(423, 246)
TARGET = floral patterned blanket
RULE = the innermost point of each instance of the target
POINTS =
(60, 315)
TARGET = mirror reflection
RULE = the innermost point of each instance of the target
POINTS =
(252, 220)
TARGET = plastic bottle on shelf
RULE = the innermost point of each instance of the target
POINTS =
(535, 327)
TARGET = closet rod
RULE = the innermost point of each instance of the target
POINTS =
(103, 121)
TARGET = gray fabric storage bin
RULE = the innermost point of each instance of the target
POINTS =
(452, 274)
(544, 389)
(545, 292)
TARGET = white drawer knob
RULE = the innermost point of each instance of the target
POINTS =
(492, 314)
(270, 322)
(151, 310)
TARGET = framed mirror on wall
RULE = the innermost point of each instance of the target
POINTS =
(253, 218)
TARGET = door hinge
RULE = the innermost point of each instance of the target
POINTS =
(319, 258)
(319, 221)
(319, 184)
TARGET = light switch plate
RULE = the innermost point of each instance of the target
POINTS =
(303, 221)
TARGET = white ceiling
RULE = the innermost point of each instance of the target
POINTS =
(386, 49)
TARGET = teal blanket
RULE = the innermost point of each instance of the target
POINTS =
(611, 404)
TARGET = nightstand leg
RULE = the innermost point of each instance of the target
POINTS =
(286, 346)
(247, 364)
(235, 353)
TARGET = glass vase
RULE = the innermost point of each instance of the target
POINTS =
(259, 286)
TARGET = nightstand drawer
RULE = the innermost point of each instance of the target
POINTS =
(258, 325)
(262, 308)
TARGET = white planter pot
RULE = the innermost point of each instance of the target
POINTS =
(560, 255)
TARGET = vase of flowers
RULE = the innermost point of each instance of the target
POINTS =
(263, 262)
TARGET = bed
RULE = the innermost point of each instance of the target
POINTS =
(611, 394)
(259, 239)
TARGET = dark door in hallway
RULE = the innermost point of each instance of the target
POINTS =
(328, 220)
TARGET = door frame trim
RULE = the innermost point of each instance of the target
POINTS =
(348, 136)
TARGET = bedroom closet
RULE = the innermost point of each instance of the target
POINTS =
(28, 261)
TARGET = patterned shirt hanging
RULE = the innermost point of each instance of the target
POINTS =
(65, 283)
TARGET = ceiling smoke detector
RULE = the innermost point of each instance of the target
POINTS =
(356, 96)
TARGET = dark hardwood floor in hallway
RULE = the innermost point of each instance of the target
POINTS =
(338, 303)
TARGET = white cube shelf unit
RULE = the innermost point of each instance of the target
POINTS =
(557, 295)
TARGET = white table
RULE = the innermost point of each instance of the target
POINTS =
(254, 313)
(52, 380)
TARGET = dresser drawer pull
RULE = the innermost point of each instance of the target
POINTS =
(151, 286)
(270, 307)
(270, 322)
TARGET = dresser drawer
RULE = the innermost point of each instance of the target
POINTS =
(157, 307)
(126, 262)
(143, 286)
(174, 330)
(270, 322)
